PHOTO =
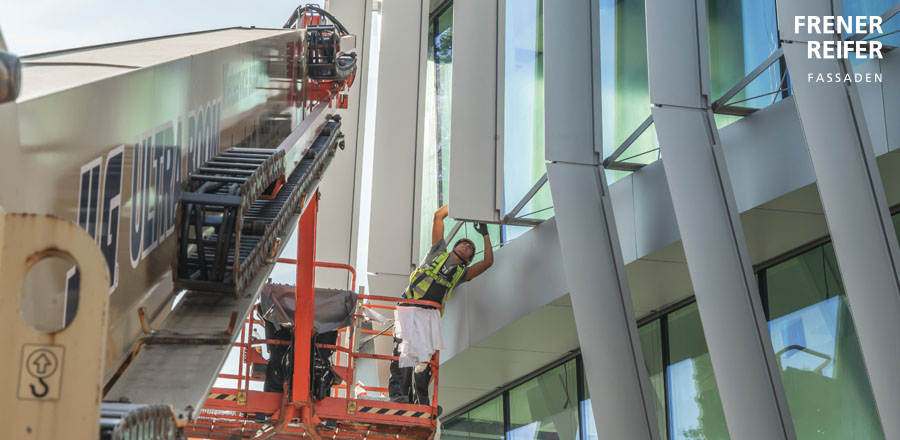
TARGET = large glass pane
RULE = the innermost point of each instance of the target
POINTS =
(742, 34)
(625, 97)
(651, 346)
(482, 422)
(523, 109)
(546, 407)
(436, 155)
(817, 349)
(695, 410)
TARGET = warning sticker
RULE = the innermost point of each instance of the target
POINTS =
(40, 372)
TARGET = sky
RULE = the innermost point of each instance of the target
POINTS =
(35, 26)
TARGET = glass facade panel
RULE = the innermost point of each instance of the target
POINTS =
(651, 345)
(625, 97)
(482, 422)
(695, 410)
(545, 407)
(652, 348)
(817, 350)
(436, 155)
(523, 111)
(742, 34)
(875, 7)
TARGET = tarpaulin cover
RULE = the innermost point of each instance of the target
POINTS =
(334, 307)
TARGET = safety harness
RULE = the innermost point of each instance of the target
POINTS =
(422, 278)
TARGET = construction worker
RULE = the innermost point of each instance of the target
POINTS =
(434, 280)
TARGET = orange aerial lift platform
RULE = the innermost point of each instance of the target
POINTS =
(231, 413)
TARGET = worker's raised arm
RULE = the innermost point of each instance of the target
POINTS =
(488, 261)
(437, 228)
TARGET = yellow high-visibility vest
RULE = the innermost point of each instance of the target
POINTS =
(422, 278)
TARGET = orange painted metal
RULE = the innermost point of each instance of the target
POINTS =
(294, 414)
(305, 300)
(348, 267)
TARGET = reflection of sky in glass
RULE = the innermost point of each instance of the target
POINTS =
(874, 7)
(607, 73)
(813, 327)
(523, 158)
(684, 410)
(760, 41)
(519, 100)
(587, 413)
(525, 432)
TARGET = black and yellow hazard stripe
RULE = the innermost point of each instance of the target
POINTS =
(220, 396)
(394, 412)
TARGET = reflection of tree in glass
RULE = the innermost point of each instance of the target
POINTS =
(442, 46)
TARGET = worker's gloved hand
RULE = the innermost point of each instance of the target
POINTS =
(481, 228)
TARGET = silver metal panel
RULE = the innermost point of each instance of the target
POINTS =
(707, 215)
(359, 15)
(858, 217)
(623, 199)
(727, 297)
(134, 54)
(683, 82)
(527, 273)
(518, 295)
(163, 374)
(787, 10)
(872, 94)
(154, 107)
(651, 206)
(604, 315)
(455, 325)
(338, 212)
(765, 154)
(569, 111)
(473, 119)
(190, 369)
(398, 136)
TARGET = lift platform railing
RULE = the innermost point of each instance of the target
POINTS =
(350, 413)
(348, 407)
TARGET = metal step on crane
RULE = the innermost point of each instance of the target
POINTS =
(169, 193)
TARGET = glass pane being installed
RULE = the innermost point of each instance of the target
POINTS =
(817, 350)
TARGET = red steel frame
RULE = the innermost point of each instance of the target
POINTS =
(233, 411)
